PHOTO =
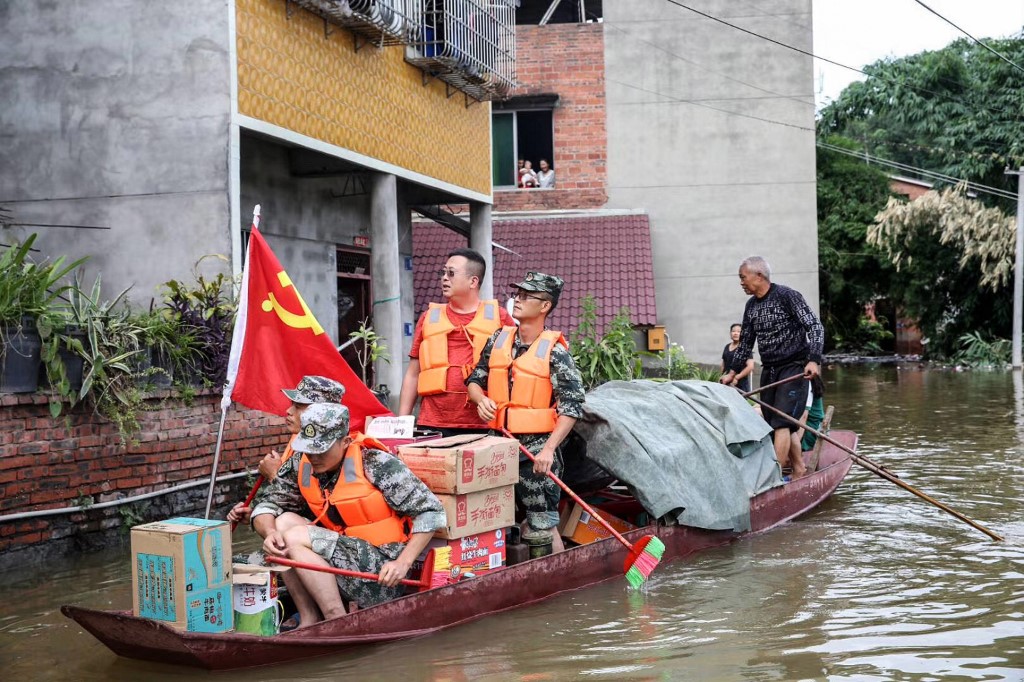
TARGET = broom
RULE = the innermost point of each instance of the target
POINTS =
(438, 558)
(643, 556)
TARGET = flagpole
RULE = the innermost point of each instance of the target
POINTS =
(233, 359)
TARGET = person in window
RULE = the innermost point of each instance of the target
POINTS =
(527, 176)
(546, 176)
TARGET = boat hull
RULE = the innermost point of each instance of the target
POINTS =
(420, 614)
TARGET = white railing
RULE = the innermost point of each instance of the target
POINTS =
(470, 44)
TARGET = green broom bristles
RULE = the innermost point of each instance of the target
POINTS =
(645, 563)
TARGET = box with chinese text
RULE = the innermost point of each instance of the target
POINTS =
(478, 512)
(463, 464)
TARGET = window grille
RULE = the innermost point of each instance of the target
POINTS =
(469, 44)
(384, 22)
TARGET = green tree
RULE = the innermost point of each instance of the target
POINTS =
(953, 258)
(852, 273)
(958, 111)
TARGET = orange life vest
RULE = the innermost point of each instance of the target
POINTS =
(354, 506)
(528, 409)
(434, 346)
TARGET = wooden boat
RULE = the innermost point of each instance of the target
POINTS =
(444, 607)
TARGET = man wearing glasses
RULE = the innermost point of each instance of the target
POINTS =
(534, 390)
(446, 346)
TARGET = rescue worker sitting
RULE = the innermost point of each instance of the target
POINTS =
(370, 514)
(310, 389)
(534, 390)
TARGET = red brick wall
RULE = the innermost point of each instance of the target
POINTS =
(567, 60)
(48, 464)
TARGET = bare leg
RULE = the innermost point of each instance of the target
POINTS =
(783, 442)
(316, 589)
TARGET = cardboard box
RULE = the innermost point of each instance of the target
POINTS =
(478, 512)
(181, 574)
(469, 557)
(578, 525)
(464, 464)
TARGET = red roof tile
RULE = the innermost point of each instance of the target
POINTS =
(608, 256)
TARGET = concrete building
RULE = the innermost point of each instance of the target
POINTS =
(705, 128)
(163, 124)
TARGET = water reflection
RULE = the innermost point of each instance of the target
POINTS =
(875, 585)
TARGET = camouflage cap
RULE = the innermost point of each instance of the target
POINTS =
(320, 425)
(314, 389)
(538, 281)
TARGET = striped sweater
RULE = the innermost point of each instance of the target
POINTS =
(784, 327)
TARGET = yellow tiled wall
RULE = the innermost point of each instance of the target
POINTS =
(370, 101)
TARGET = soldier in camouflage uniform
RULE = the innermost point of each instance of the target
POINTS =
(310, 389)
(536, 494)
(282, 516)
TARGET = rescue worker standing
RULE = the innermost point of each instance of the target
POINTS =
(534, 390)
(370, 514)
(446, 346)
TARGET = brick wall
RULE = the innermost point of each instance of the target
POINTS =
(567, 60)
(49, 464)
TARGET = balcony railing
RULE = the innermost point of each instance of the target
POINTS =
(382, 22)
(469, 44)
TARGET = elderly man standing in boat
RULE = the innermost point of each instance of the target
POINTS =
(527, 383)
(790, 339)
(371, 514)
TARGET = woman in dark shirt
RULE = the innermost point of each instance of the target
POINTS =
(742, 380)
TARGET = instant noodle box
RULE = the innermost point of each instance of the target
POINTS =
(181, 574)
(469, 557)
(477, 512)
(463, 464)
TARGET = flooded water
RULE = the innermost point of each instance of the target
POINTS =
(874, 585)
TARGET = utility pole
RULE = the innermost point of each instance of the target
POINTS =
(1018, 270)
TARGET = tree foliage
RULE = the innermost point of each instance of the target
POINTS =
(958, 111)
(852, 273)
(953, 258)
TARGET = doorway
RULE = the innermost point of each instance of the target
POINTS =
(354, 305)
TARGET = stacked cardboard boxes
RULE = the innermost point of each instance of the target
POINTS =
(474, 476)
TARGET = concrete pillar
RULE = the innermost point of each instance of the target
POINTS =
(408, 293)
(385, 264)
(481, 235)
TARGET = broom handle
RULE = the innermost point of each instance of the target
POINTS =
(339, 571)
(574, 496)
(772, 385)
(252, 496)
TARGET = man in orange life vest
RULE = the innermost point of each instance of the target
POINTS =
(535, 391)
(311, 389)
(446, 346)
(370, 514)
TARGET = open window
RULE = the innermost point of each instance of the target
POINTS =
(522, 134)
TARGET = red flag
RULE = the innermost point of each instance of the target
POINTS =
(283, 342)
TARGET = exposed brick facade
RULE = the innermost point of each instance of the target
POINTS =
(50, 464)
(567, 60)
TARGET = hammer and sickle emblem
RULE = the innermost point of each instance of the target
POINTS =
(305, 320)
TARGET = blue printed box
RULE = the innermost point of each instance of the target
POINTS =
(181, 574)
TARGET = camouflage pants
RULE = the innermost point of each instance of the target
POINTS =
(536, 494)
(353, 554)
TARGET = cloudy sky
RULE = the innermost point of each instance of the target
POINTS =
(858, 32)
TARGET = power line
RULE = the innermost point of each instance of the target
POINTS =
(831, 61)
(670, 98)
(979, 42)
(934, 175)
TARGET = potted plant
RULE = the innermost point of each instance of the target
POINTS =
(371, 349)
(171, 346)
(27, 289)
(206, 307)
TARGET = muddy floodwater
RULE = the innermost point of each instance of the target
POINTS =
(874, 585)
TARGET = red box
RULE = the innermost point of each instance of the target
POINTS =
(471, 556)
